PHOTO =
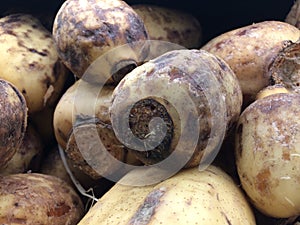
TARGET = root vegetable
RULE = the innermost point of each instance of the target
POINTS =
(81, 120)
(190, 197)
(80, 101)
(84, 30)
(87, 154)
(167, 24)
(186, 89)
(27, 156)
(64, 116)
(13, 120)
(249, 50)
(267, 154)
(29, 60)
(33, 198)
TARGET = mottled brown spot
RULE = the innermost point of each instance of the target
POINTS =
(175, 73)
(189, 201)
(262, 180)
(33, 65)
(246, 31)
(59, 210)
(286, 155)
(10, 32)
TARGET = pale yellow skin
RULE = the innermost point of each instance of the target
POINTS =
(267, 154)
(189, 197)
(270, 90)
(249, 50)
(85, 96)
(28, 154)
(32, 199)
(167, 24)
(30, 61)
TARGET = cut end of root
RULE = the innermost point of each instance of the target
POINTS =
(141, 115)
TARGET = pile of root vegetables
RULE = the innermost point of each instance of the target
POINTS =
(118, 113)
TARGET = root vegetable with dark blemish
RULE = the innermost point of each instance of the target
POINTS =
(167, 24)
(267, 149)
(33, 198)
(189, 197)
(249, 50)
(13, 121)
(86, 29)
(88, 155)
(30, 61)
(81, 119)
(28, 155)
(185, 89)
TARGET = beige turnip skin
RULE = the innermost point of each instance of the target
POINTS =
(63, 115)
(189, 197)
(159, 88)
(29, 60)
(85, 29)
(167, 24)
(33, 198)
(267, 154)
(249, 50)
(13, 120)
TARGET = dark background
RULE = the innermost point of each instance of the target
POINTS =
(215, 16)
